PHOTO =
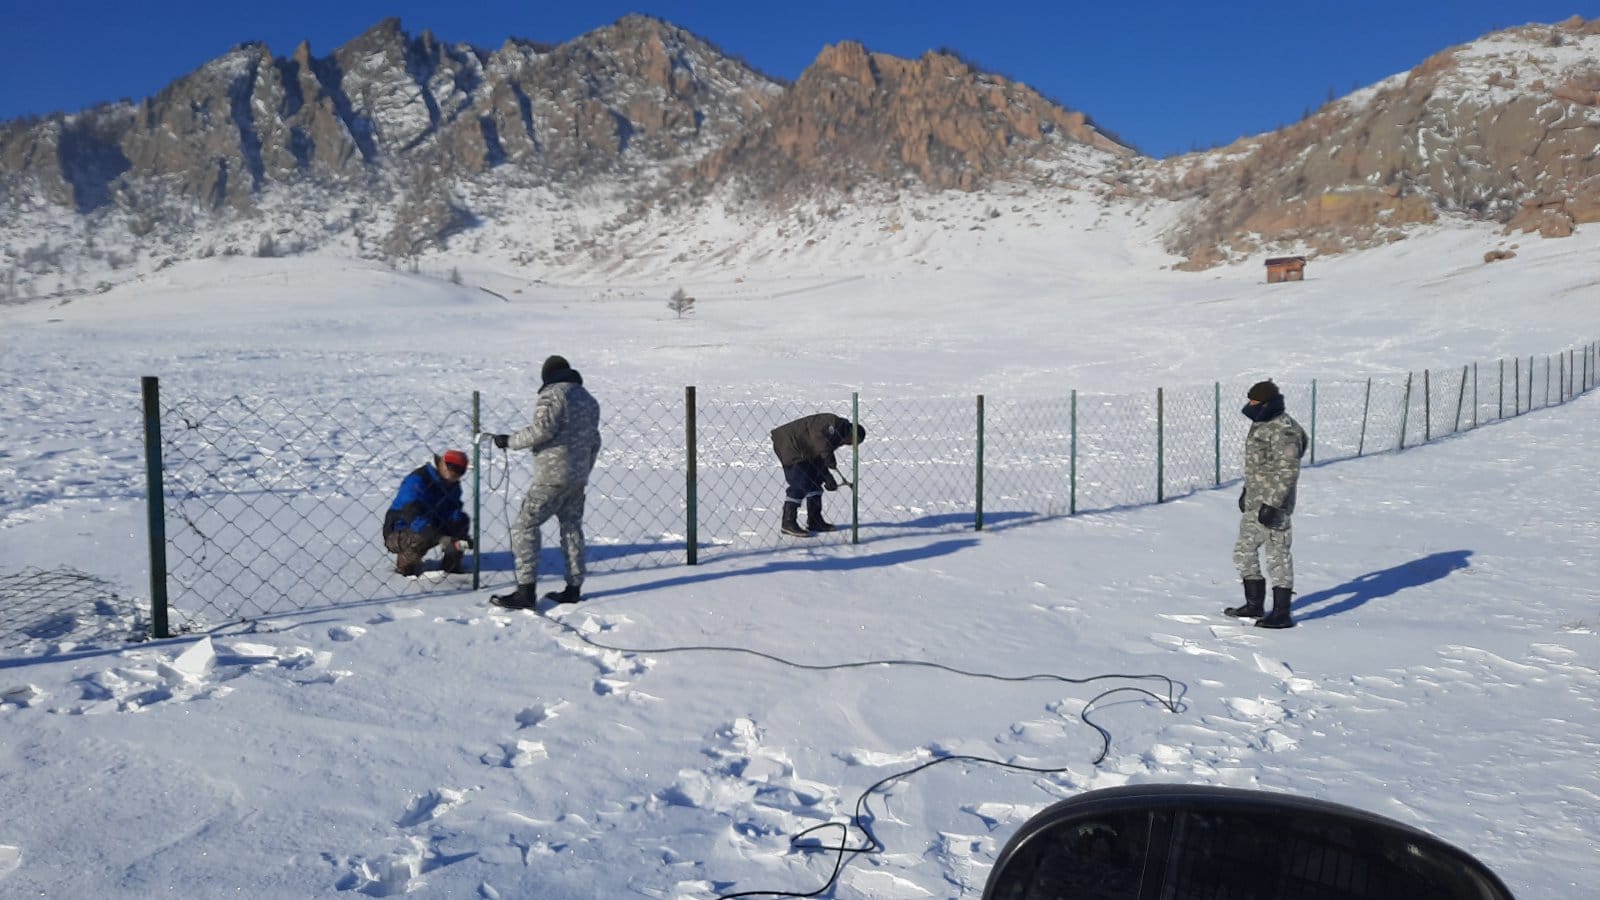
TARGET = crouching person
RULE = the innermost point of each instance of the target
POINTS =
(426, 513)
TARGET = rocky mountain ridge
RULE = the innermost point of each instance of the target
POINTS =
(396, 147)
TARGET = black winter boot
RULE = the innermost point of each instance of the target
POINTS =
(1279, 617)
(791, 520)
(814, 519)
(1255, 596)
(524, 597)
(569, 595)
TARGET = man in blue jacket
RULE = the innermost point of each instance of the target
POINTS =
(427, 513)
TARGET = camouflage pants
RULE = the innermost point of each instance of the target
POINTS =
(410, 547)
(565, 502)
(1246, 552)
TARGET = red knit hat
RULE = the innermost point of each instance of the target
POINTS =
(455, 459)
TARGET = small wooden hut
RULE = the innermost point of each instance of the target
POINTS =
(1286, 268)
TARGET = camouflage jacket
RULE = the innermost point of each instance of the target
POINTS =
(564, 435)
(1272, 452)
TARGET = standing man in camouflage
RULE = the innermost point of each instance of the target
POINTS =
(1272, 452)
(565, 439)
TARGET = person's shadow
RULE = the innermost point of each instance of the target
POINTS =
(1381, 583)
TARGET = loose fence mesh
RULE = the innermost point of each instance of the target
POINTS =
(275, 505)
(58, 606)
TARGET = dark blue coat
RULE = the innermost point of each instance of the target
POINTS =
(426, 501)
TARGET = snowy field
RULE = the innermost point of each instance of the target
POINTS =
(669, 736)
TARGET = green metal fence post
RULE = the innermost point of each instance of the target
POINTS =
(1313, 447)
(1405, 412)
(1366, 405)
(1516, 386)
(1500, 396)
(691, 485)
(155, 509)
(1530, 384)
(477, 520)
(1161, 447)
(1427, 408)
(1216, 433)
(855, 470)
(978, 520)
(1072, 460)
(1474, 395)
(1461, 399)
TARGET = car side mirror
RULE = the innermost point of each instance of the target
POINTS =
(1181, 842)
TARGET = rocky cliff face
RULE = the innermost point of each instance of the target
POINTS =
(410, 116)
(394, 145)
(855, 116)
(1503, 129)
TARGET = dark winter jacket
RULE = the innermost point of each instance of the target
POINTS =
(427, 501)
(811, 439)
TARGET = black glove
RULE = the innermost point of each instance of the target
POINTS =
(828, 482)
(1241, 500)
(1272, 517)
(502, 440)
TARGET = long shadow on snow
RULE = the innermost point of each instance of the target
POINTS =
(829, 564)
(1382, 583)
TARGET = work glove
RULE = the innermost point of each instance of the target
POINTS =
(464, 543)
(1241, 500)
(1272, 517)
(828, 482)
(502, 440)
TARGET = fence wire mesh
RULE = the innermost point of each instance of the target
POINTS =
(275, 505)
(63, 608)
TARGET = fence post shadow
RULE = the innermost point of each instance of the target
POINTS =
(1382, 583)
(831, 564)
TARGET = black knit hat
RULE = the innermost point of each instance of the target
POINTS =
(553, 366)
(1262, 391)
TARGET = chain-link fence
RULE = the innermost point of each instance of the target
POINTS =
(274, 505)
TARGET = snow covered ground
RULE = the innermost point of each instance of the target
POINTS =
(667, 737)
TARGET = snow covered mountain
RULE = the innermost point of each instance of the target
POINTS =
(563, 160)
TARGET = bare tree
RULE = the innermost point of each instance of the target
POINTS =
(680, 303)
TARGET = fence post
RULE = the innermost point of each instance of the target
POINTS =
(1405, 412)
(855, 470)
(1516, 386)
(477, 520)
(1500, 397)
(1216, 433)
(1366, 405)
(1313, 447)
(155, 517)
(1561, 379)
(1161, 446)
(978, 522)
(691, 486)
(1530, 384)
(1461, 399)
(1547, 379)
(1427, 407)
(1072, 460)
(1474, 395)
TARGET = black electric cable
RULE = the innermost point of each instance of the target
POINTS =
(872, 845)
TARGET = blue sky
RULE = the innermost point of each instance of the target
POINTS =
(1168, 76)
